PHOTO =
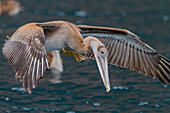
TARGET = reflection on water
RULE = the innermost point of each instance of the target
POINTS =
(56, 78)
(79, 88)
(17, 89)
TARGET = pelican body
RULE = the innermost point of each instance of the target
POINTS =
(26, 50)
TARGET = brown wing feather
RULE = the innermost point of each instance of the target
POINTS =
(128, 50)
(26, 53)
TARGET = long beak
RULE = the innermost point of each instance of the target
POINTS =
(103, 69)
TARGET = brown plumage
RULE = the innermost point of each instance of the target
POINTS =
(26, 48)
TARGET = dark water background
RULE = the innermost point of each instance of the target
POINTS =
(79, 88)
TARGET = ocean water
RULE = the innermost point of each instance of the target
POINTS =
(79, 88)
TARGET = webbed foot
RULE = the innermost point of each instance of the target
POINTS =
(75, 55)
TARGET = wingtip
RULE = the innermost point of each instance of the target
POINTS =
(8, 36)
(25, 89)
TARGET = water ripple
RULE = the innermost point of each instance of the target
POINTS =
(120, 88)
(81, 13)
(165, 18)
(7, 99)
(70, 112)
(157, 105)
(96, 104)
(142, 103)
(17, 89)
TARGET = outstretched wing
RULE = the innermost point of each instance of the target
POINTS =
(25, 51)
(128, 50)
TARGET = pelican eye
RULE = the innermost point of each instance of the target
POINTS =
(102, 52)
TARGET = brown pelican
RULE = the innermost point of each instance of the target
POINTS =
(26, 50)
(11, 7)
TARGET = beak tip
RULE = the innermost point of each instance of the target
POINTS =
(107, 89)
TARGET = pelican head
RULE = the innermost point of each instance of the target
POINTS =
(100, 54)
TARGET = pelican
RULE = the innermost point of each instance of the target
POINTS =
(11, 7)
(26, 50)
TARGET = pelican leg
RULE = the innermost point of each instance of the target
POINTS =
(75, 55)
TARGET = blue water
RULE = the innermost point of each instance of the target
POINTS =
(79, 88)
